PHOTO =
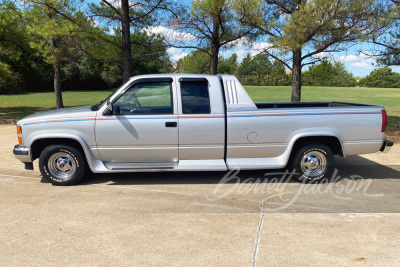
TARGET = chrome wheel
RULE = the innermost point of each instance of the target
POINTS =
(62, 165)
(313, 164)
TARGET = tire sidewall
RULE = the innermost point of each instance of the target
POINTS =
(326, 151)
(75, 155)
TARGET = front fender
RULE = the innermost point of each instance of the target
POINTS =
(93, 162)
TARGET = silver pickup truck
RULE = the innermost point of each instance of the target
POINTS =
(184, 122)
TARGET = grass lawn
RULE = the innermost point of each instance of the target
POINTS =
(18, 106)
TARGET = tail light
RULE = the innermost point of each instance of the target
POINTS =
(384, 121)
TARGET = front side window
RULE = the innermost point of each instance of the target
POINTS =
(195, 98)
(145, 98)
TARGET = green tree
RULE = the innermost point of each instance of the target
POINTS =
(389, 44)
(50, 33)
(328, 74)
(228, 65)
(246, 71)
(298, 30)
(7, 78)
(381, 78)
(124, 16)
(214, 25)
(11, 42)
(278, 74)
(255, 71)
(259, 70)
(196, 62)
(83, 61)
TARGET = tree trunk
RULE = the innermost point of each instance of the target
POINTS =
(214, 60)
(126, 41)
(214, 47)
(398, 125)
(57, 75)
(296, 76)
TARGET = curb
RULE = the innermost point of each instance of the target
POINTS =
(8, 121)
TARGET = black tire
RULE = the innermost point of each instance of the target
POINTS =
(62, 165)
(312, 156)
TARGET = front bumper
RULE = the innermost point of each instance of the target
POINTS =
(22, 153)
(386, 146)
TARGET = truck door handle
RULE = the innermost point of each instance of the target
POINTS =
(171, 124)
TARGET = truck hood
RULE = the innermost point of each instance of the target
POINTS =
(62, 113)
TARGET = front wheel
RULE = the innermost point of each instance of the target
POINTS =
(62, 164)
(313, 162)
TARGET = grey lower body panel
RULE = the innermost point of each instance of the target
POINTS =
(361, 147)
(182, 165)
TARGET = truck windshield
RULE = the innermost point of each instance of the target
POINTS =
(98, 105)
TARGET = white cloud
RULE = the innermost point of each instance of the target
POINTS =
(242, 48)
(259, 47)
(349, 58)
(242, 42)
(363, 60)
(95, 23)
(322, 55)
(111, 31)
(170, 35)
(363, 65)
(175, 54)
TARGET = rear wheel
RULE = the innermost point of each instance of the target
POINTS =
(313, 163)
(62, 165)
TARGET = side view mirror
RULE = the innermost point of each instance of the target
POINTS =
(109, 105)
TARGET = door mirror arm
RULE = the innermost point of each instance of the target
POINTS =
(110, 106)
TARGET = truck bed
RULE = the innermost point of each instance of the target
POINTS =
(306, 105)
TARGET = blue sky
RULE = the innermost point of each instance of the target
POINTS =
(357, 62)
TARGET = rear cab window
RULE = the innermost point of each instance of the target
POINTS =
(195, 96)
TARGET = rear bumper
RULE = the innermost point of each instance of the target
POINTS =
(22, 153)
(386, 146)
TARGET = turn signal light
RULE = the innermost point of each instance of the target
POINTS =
(20, 140)
(19, 131)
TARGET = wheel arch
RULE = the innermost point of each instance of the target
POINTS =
(41, 142)
(331, 140)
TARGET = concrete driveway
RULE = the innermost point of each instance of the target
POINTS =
(201, 219)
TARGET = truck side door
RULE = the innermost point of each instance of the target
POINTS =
(143, 127)
(201, 119)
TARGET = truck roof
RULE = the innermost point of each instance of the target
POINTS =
(177, 74)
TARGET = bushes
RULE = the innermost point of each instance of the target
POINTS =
(328, 74)
(259, 70)
(9, 81)
(381, 78)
